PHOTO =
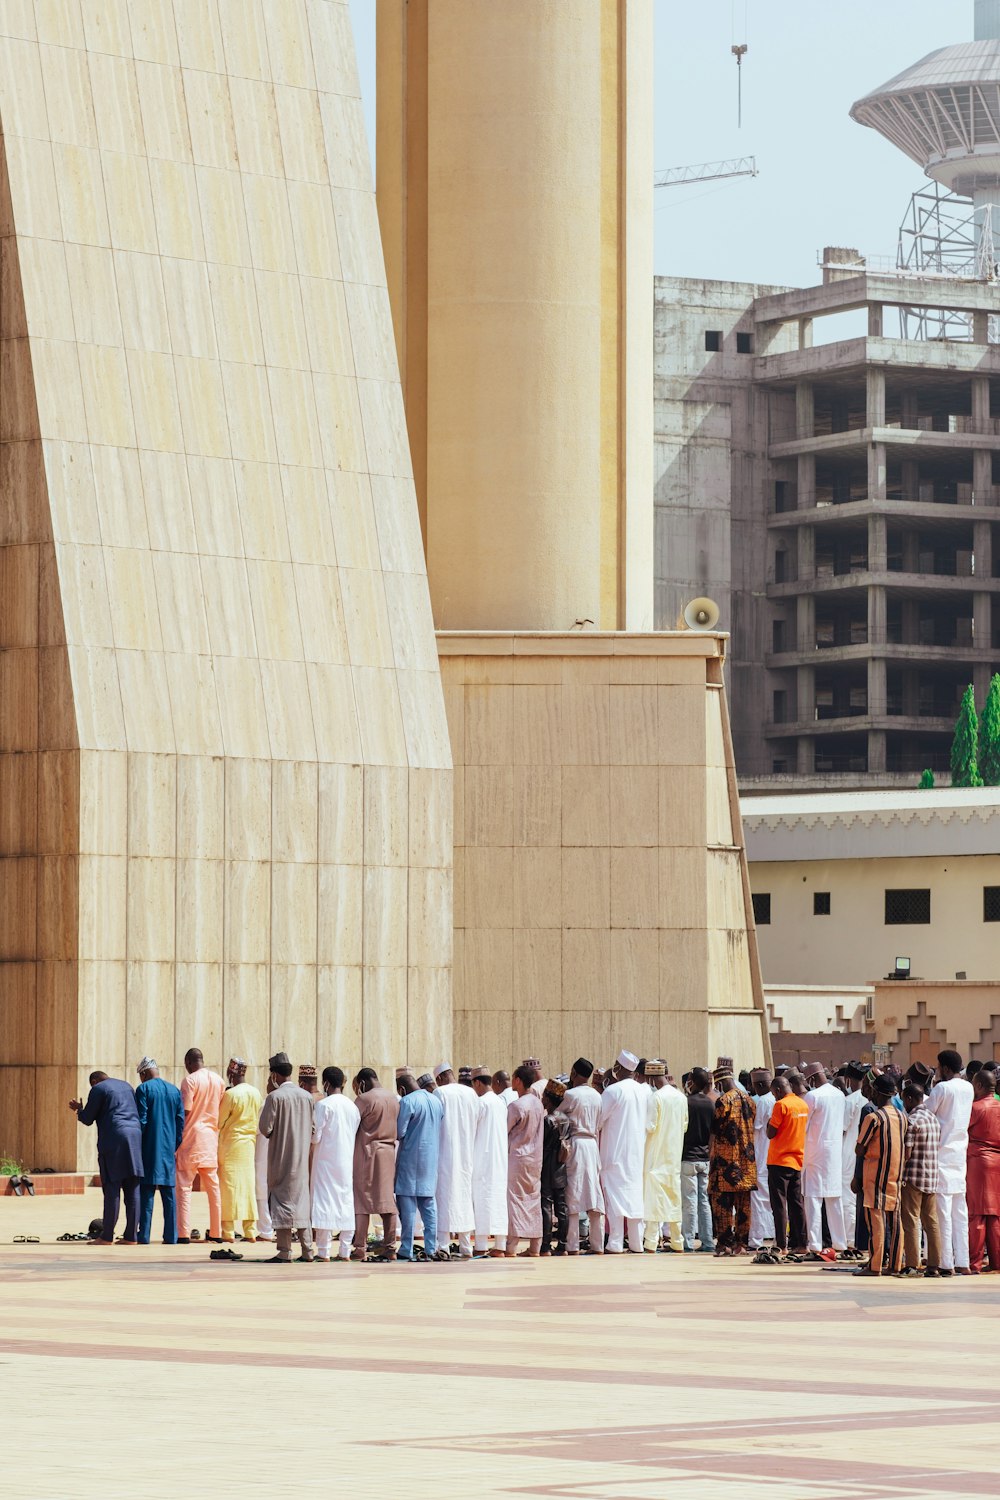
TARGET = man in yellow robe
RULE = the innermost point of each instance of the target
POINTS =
(665, 1127)
(239, 1113)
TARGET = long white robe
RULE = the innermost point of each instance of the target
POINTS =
(582, 1107)
(622, 1142)
(666, 1122)
(456, 1163)
(823, 1168)
(335, 1124)
(761, 1217)
(265, 1229)
(951, 1101)
(853, 1105)
(489, 1184)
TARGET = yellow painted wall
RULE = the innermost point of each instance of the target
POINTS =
(853, 945)
(516, 212)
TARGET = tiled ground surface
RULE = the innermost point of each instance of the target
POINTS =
(158, 1373)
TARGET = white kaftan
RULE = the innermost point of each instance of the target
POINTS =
(456, 1162)
(761, 1217)
(489, 1183)
(582, 1107)
(951, 1100)
(823, 1168)
(335, 1125)
(622, 1141)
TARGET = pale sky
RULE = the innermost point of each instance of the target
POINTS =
(823, 180)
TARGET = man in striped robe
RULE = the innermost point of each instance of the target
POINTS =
(880, 1162)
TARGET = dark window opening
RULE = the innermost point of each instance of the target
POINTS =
(762, 910)
(779, 767)
(744, 343)
(713, 341)
(991, 903)
(907, 908)
(821, 903)
(780, 567)
(780, 706)
(777, 635)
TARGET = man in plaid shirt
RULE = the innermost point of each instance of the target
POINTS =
(919, 1182)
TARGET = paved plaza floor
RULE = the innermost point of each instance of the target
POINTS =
(153, 1372)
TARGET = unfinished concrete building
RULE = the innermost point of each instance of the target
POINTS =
(839, 498)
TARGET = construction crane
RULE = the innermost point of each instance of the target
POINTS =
(707, 171)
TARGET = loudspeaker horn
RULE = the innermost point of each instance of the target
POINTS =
(699, 614)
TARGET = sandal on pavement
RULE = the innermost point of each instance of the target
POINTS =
(28, 1186)
(15, 1186)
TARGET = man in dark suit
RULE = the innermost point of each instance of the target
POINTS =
(112, 1108)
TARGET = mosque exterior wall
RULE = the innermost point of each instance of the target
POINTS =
(601, 886)
(225, 777)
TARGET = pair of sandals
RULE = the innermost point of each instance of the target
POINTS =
(26, 1239)
(21, 1185)
(71, 1239)
(225, 1254)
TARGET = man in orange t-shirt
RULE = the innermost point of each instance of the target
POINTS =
(786, 1132)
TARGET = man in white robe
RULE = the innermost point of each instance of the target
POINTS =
(853, 1105)
(823, 1166)
(761, 1217)
(335, 1125)
(666, 1122)
(489, 1182)
(951, 1100)
(622, 1142)
(456, 1163)
(265, 1229)
(581, 1104)
(502, 1086)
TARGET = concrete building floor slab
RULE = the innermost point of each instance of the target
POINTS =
(155, 1372)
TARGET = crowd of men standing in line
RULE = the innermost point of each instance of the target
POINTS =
(796, 1166)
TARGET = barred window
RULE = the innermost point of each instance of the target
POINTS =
(991, 903)
(821, 903)
(762, 909)
(907, 908)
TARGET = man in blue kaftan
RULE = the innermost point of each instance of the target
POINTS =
(161, 1120)
(419, 1133)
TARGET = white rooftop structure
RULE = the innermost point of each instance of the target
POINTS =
(871, 825)
(944, 113)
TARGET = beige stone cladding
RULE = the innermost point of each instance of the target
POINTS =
(224, 769)
(601, 888)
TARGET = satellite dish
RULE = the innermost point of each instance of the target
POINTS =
(699, 614)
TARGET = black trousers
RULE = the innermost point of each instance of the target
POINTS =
(555, 1215)
(785, 1190)
(112, 1196)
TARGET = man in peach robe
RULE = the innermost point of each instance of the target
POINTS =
(198, 1153)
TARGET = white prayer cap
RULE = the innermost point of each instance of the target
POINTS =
(146, 1064)
(628, 1061)
(442, 1068)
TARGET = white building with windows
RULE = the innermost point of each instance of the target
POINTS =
(845, 883)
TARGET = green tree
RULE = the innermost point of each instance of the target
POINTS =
(965, 745)
(926, 780)
(989, 735)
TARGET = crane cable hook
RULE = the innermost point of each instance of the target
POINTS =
(739, 51)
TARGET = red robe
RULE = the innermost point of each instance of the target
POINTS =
(982, 1181)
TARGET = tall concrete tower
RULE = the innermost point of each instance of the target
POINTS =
(515, 200)
(944, 112)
